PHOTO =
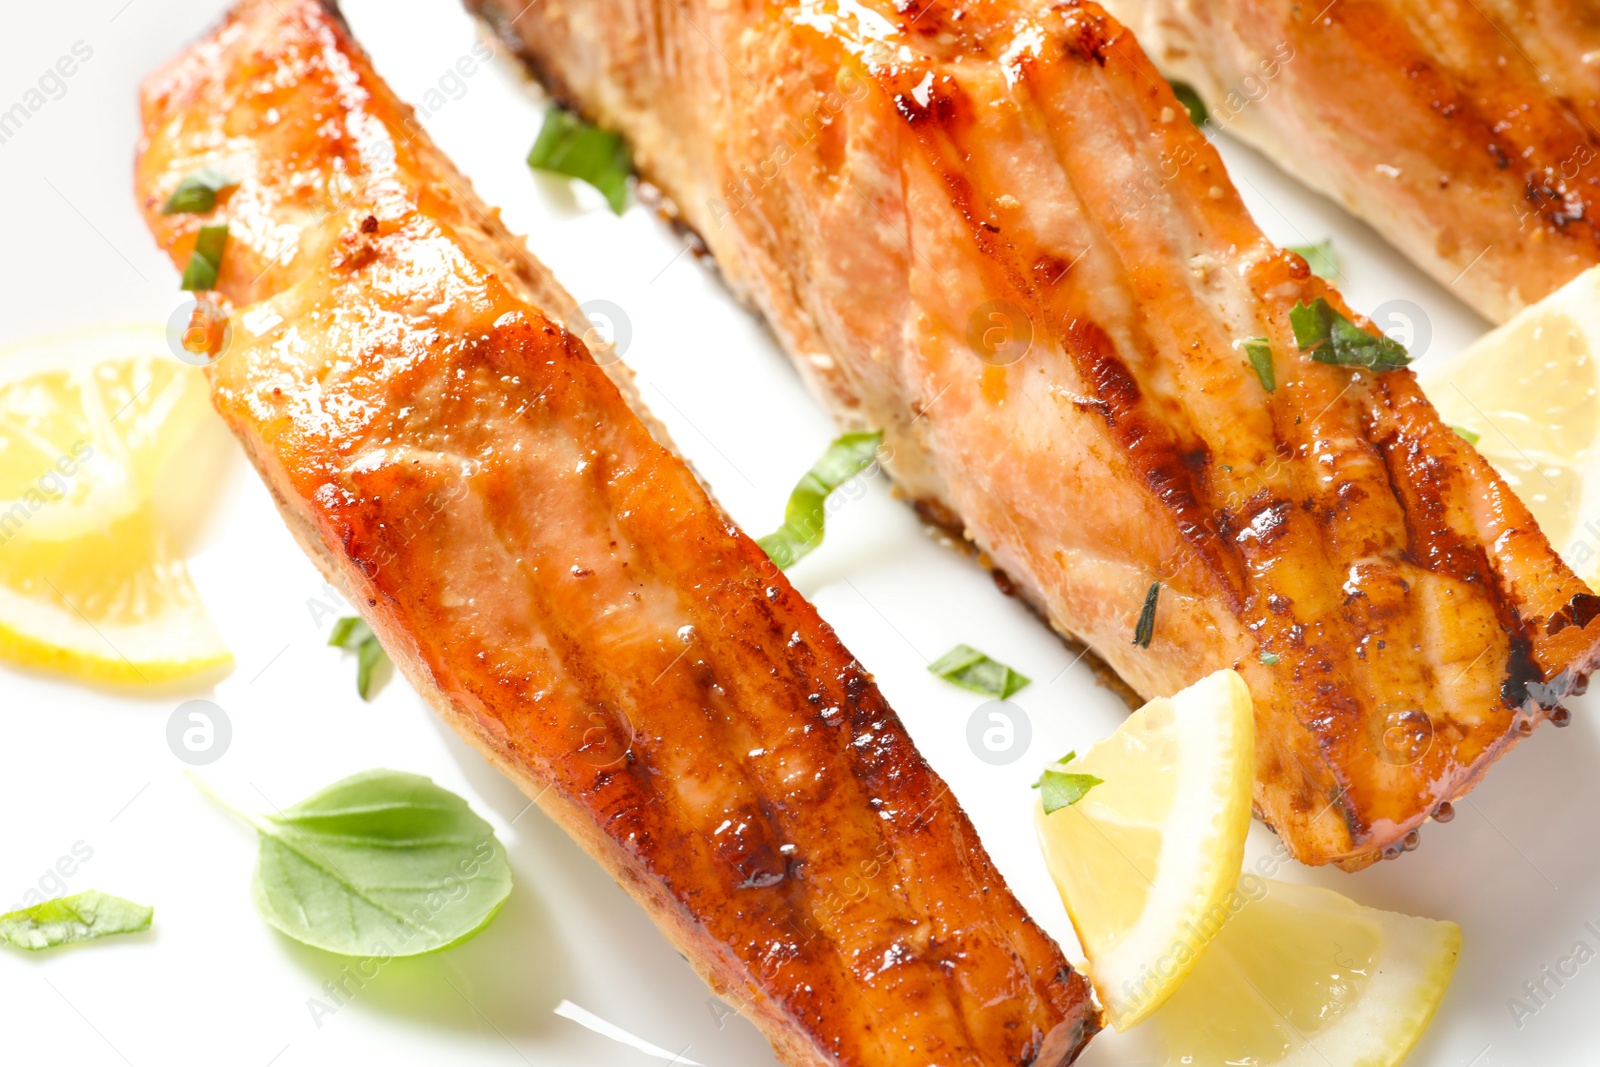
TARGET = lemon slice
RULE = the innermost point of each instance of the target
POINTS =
(1303, 977)
(90, 583)
(1146, 862)
(87, 420)
(1530, 393)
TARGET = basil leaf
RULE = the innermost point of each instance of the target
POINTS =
(382, 863)
(1269, 658)
(1145, 631)
(1319, 257)
(197, 193)
(1311, 327)
(206, 259)
(80, 917)
(352, 632)
(1467, 435)
(368, 658)
(1259, 349)
(569, 146)
(806, 513)
(1061, 789)
(349, 632)
(1068, 758)
(970, 669)
(1332, 338)
(1190, 100)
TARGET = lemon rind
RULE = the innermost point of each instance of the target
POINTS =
(173, 644)
(1413, 973)
(42, 636)
(1215, 773)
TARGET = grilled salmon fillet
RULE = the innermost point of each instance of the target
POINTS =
(546, 570)
(929, 202)
(1467, 132)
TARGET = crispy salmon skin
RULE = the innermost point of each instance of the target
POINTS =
(551, 577)
(989, 229)
(1466, 132)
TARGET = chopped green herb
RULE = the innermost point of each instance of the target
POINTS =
(197, 193)
(349, 632)
(1068, 758)
(567, 145)
(80, 917)
(368, 656)
(1332, 338)
(206, 259)
(1145, 631)
(1320, 257)
(1259, 349)
(1269, 658)
(1467, 435)
(354, 634)
(806, 513)
(380, 863)
(1061, 789)
(971, 669)
(1190, 100)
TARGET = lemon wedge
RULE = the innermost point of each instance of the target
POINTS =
(90, 583)
(1146, 862)
(1529, 394)
(1303, 977)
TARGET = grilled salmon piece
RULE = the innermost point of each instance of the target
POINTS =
(1467, 132)
(930, 203)
(546, 570)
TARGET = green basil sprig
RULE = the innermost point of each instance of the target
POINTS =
(970, 669)
(65, 920)
(352, 632)
(197, 193)
(1331, 338)
(1259, 349)
(1144, 631)
(804, 517)
(380, 863)
(571, 147)
(1062, 789)
(206, 258)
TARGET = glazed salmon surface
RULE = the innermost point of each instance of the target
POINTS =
(990, 230)
(546, 570)
(1467, 132)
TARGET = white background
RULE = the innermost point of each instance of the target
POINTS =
(211, 984)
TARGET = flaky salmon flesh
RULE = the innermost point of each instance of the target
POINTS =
(989, 229)
(1467, 132)
(547, 572)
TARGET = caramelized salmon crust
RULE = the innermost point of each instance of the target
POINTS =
(1466, 133)
(546, 570)
(990, 230)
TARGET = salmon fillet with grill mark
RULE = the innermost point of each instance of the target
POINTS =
(1467, 132)
(550, 575)
(929, 200)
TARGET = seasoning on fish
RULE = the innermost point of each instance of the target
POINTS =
(547, 572)
(990, 230)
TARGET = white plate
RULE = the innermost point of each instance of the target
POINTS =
(213, 985)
